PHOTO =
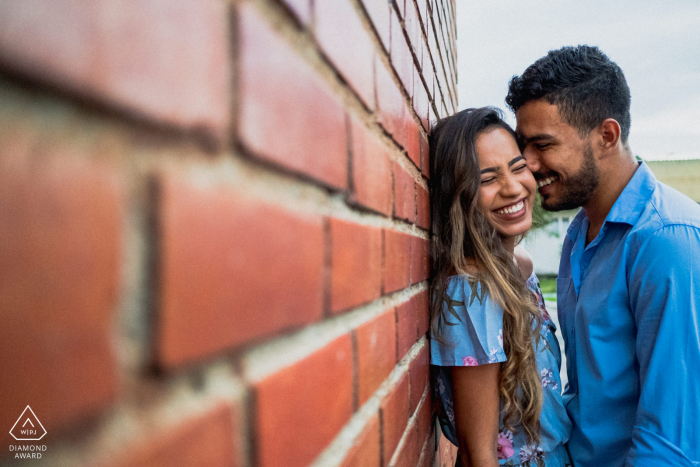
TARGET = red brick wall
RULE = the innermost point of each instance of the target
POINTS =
(213, 229)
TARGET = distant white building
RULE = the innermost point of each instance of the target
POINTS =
(544, 245)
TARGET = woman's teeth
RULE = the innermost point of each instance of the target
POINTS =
(511, 209)
(546, 181)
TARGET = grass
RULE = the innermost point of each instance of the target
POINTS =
(548, 284)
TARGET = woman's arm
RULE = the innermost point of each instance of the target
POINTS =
(476, 405)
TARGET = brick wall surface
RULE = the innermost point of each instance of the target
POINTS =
(213, 230)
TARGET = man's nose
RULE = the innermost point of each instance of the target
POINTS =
(533, 162)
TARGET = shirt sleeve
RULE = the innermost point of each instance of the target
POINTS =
(664, 285)
(472, 328)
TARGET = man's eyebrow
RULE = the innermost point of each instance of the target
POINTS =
(494, 169)
(531, 139)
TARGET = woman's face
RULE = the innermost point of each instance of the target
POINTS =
(507, 192)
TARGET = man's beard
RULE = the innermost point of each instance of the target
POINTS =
(579, 188)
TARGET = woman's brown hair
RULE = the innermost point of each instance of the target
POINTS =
(463, 242)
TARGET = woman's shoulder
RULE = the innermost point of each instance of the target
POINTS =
(524, 262)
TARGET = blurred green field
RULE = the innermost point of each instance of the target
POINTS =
(548, 284)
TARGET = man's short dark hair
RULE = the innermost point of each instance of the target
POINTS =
(585, 85)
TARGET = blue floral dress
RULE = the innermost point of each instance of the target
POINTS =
(475, 337)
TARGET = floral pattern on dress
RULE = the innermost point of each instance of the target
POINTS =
(505, 444)
(547, 379)
(469, 361)
(530, 454)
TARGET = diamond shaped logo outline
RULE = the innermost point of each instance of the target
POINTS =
(20, 418)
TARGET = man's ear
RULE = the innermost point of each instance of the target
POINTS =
(609, 134)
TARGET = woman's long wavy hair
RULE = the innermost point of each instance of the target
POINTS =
(464, 242)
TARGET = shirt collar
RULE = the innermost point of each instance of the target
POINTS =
(629, 205)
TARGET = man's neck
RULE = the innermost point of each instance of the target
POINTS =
(613, 181)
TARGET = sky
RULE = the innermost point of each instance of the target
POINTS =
(656, 43)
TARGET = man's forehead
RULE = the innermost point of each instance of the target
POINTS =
(538, 119)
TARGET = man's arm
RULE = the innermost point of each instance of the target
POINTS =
(664, 287)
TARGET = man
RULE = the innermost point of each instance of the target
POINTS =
(628, 290)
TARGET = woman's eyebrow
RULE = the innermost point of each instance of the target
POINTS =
(515, 160)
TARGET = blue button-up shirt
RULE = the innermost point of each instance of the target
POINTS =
(629, 308)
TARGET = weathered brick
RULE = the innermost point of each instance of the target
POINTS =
(420, 100)
(232, 268)
(422, 207)
(422, 313)
(409, 452)
(425, 419)
(407, 327)
(391, 104)
(301, 408)
(419, 259)
(352, 51)
(394, 416)
(177, 73)
(404, 194)
(371, 171)
(401, 57)
(412, 24)
(204, 440)
(419, 372)
(425, 156)
(365, 451)
(288, 114)
(356, 264)
(379, 14)
(376, 352)
(412, 139)
(60, 252)
(396, 260)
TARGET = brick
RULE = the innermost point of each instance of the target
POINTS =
(425, 156)
(419, 374)
(226, 261)
(422, 313)
(404, 194)
(301, 9)
(412, 139)
(422, 207)
(425, 419)
(177, 73)
(406, 327)
(352, 51)
(288, 114)
(401, 57)
(356, 264)
(409, 452)
(60, 252)
(300, 409)
(412, 24)
(376, 353)
(391, 104)
(419, 259)
(394, 416)
(396, 260)
(371, 171)
(379, 14)
(420, 99)
(205, 440)
(365, 452)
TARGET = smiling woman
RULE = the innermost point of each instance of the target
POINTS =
(495, 357)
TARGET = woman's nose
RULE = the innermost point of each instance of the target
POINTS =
(511, 186)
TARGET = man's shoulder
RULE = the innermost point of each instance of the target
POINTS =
(666, 207)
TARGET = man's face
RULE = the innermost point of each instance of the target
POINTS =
(562, 162)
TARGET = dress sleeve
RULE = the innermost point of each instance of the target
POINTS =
(664, 287)
(472, 327)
